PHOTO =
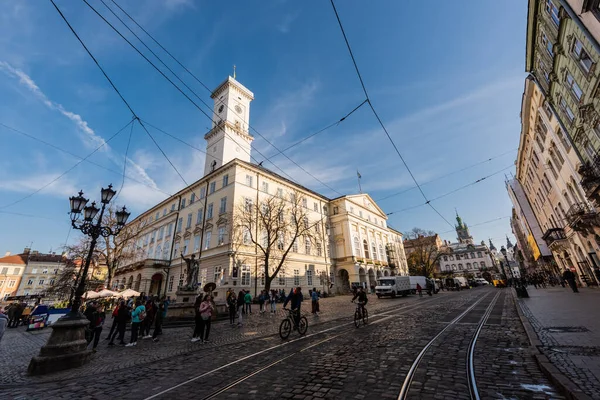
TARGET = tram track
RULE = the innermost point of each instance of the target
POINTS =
(344, 328)
(470, 371)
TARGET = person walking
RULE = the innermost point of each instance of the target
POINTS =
(206, 311)
(137, 316)
(197, 319)
(419, 290)
(161, 314)
(261, 302)
(314, 296)
(569, 276)
(273, 301)
(113, 327)
(248, 301)
(240, 305)
(232, 307)
(3, 323)
(121, 320)
(96, 316)
(151, 311)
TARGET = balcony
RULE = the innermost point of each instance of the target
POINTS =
(590, 178)
(582, 218)
(555, 238)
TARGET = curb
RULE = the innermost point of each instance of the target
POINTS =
(565, 385)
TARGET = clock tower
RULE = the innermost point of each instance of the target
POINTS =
(229, 137)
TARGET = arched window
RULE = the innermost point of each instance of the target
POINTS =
(468, 265)
(445, 258)
(447, 267)
(460, 266)
(374, 250)
(452, 258)
(356, 246)
(138, 282)
(381, 253)
(366, 248)
(475, 265)
(453, 267)
(472, 255)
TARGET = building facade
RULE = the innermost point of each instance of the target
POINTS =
(200, 220)
(11, 273)
(40, 273)
(465, 258)
(548, 183)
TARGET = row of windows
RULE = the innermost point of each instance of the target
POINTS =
(336, 211)
(464, 256)
(373, 250)
(162, 252)
(475, 265)
(40, 282)
(281, 243)
(10, 284)
(16, 271)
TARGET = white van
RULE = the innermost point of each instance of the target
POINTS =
(393, 286)
(421, 280)
(481, 281)
(462, 281)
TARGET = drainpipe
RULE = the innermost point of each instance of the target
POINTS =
(256, 245)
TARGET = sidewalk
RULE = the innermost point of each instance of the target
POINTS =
(567, 325)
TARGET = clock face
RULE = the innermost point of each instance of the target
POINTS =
(238, 109)
(221, 108)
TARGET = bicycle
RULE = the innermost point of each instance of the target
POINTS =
(361, 313)
(286, 325)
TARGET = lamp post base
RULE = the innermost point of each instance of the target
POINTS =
(66, 348)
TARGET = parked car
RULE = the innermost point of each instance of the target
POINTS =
(393, 286)
(481, 281)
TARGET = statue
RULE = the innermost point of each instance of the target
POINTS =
(192, 272)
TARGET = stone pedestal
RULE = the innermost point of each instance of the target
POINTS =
(66, 347)
(186, 296)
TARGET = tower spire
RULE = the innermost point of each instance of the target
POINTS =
(233, 71)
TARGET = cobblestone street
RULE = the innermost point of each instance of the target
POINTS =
(568, 337)
(334, 360)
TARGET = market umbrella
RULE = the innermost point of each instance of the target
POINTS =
(90, 294)
(107, 293)
(127, 293)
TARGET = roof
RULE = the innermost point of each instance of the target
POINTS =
(353, 197)
(425, 240)
(56, 258)
(14, 259)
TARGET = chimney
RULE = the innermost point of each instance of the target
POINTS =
(26, 250)
(7, 254)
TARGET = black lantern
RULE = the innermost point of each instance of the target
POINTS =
(122, 216)
(107, 194)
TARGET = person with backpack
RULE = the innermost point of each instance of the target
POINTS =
(232, 307)
(206, 309)
(248, 301)
(98, 316)
(137, 316)
(151, 311)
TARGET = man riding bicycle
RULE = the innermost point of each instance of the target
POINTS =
(362, 299)
(296, 298)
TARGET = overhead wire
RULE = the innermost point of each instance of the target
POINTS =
(125, 162)
(446, 175)
(206, 87)
(362, 83)
(481, 223)
(68, 170)
(451, 192)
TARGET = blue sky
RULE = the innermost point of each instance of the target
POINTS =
(446, 81)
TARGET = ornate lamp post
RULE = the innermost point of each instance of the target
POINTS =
(66, 347)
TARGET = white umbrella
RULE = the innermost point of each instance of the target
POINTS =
(90, 294)
(127, 293)
(107, 293)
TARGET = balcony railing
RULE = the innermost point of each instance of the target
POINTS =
(582, 217)
(555, 237)
(590, 178)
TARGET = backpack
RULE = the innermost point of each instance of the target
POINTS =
(142, 315)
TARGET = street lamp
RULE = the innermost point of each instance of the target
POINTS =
(66, 347)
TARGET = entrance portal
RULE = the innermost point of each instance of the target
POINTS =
(156, 284)
(344, 286)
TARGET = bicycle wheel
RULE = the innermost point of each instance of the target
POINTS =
(365, 316)
(302, 326)
(357, 318)
(285, 328)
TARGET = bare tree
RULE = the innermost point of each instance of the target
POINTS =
(114, 250)
(274, 226)
(423, 251)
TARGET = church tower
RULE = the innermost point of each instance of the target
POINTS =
(462, 231)
(229, 137)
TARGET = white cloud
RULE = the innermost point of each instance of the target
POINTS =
(90, 136)
(60, 188)
(286, 22)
